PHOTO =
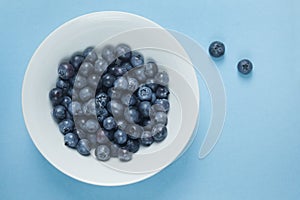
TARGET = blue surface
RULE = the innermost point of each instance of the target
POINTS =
(258, 155)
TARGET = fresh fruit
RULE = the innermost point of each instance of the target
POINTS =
(216, 49)
(245, 66)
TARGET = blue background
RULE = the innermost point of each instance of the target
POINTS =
(258, 155)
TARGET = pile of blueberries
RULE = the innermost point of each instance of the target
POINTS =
(110, 101)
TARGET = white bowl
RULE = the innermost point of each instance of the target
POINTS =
(91, 30)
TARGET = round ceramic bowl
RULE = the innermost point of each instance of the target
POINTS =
(98, 29)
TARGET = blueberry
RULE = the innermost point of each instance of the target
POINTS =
(139, 74)
(109, 123)
(148, 124)
(114, 148)
(120, 137)
(92, 138)
(132, 145)
(122, 124)
(133, 84)
(86, 68)
(245, 66)
(134, 131)
(136, 59)
(91, 126)
(144, 108)
(101, 100)
(118, 71)
(83, 147)
(66, 71)
(124, 155)
(113, 93)
(66, 126)
(117, 109)
(151, 69)
(80, 122)
(161, 117)
(153, 86)
(109, 135)
(128, 99)
(89, 108)
(56, 95)
(90, 55)
(159, 132)
(144, 93)
(81, 134)
(121, 83)
(108, 54)
(101, 136)
(75, 108)
(132, 115)
(63, 84)
(102, 152)
(165, 105)
(71, 140)
(162, 78)
(108, 80)
(59, 113)
(100, 66)
(80, 82)
(123, 52)
(73, 93)
(93, 80)
(76, 61)
(216, 49)
(146, 138)
(162, 92)
(102, 113)
(66, 101)
(86, 93)
(127, 66)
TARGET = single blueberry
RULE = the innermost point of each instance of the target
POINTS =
(66, 126)
(136, 59)
(132, 145)
(114, 148)
(80, 82)
(162, 78)
(91, 126)
(151, 69)
(134, 131)
(127, 66)
(121, 83)
(71, 139)
(101, 136)
(108, 54)
(75, 108)
(101, 99)
(160, 117)
(139, 74)
(159, 132)
(86, 93)
(123, 52)
(63, 84)
(102, 152)
(100, 66)
(120, 137)
(66, 71)
(216, 49)
(83, 147)
(144, 93)
(102, 113)
(117, 109)
(59, 113)
(108, 80)
(132, 115)
(86, 68)
(162, 92)
(56, 95)
(124, 155)
(66, 101)
(144, 108)
(245, 66)
(146, 138)
(133, 84)
(76, 61)
(90, 55)
(87, 51)
(164, 103)
(109, 123)
(93, 80)
(89, 108)
(122, 124)
(118, 70)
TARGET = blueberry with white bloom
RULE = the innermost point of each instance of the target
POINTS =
(71, 140)
(84, 147)
(86, 93)
(162, 78)
(123, 52)
(159, 132)
(66, 71)
(136, 59)
(100, 66)
(59, 113)
(124, 155)
(80, 82)
(76, 60)
(108, 54)
(134, 131)
(66, 126)
(121, 83)
(120, 137)
(144, 93)
(108, 80)
(151, 69)
(109, 123)
(102, 152)
(91, 126)
(86, 68)
(146, 138)
(56, 95)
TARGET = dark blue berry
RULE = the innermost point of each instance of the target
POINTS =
(108, 80)
(144, 93)
(66, 126)
(83, 147)
(56, 95)
(66, 101)
(216, 49)
(164, 103)
(245, 66)
(59, 113)
(66, 71)
(159, 132)
(76, 60)
(132, 145)
(71, 139)
(136, 59)
(87, 51)
(144, 108)
(132, 115)
(102, 113)
(146, 138)
(109, 123)
(101, 100)
(127, 66)
(63, 84)
(162, 92)
(153, 86)
(123, 52)
(120, 137)
(151, 69)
